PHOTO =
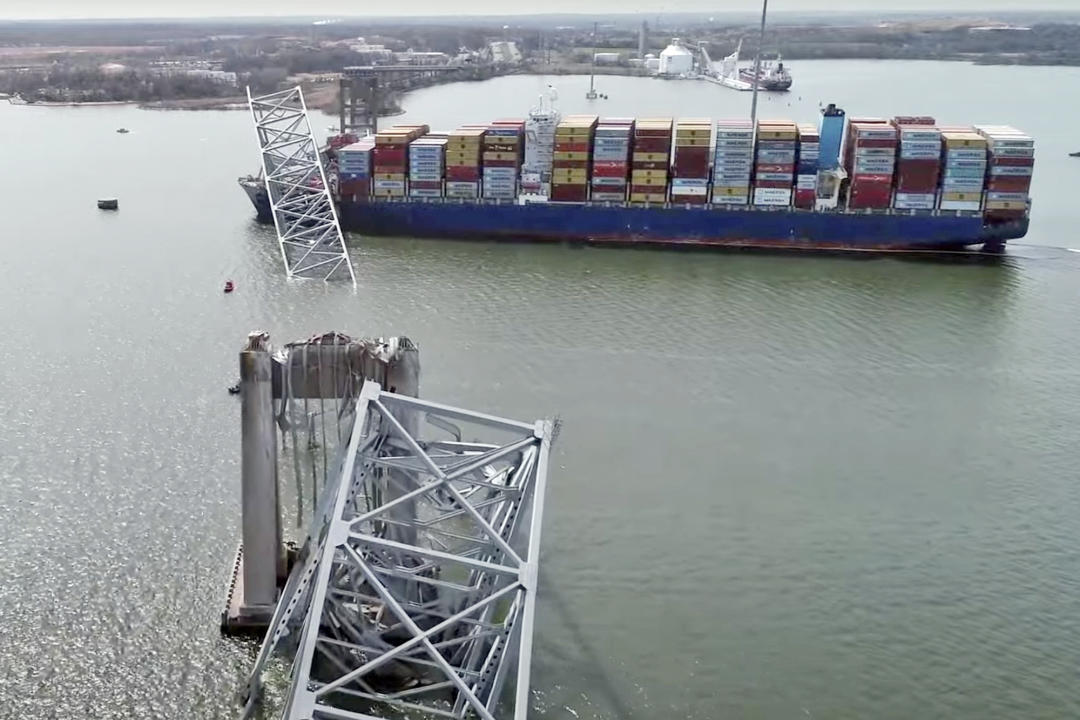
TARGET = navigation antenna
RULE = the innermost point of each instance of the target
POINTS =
(757, 65)
(309, 234)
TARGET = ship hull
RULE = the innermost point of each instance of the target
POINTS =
(678, 226)
(780, 229)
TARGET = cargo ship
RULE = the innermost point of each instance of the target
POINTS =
(848, 184)
(772, 77)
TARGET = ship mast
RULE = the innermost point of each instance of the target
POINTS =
(757, 64)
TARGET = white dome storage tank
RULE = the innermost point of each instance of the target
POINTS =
(652, 64)
(676, 60)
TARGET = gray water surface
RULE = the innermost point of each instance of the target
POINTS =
(787, 487)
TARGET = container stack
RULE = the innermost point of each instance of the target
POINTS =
(872, 164)
(355, 166)
(573, 151)
(1010, 164)
(690, 166)
(919, 166)
(964, 169)
(426, 166)
(650, 161)
(503, 144)
(733, 161)
(611, 159)
(774, 162)
(391, 157)
(463, 162)
(807, 167)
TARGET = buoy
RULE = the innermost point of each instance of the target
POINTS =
(229, 287)
(234, 389)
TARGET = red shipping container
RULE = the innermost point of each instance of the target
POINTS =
(1005, 214)
(562, 146)
(641, 165)
(691, 170)
(913, 120)
(651, 189)
(872, 179)
(610, 169)
(775, 168)
(462, 173)
(1004, 183)
(378, 169)
(804, 198)
(652, 145)
(782, 184)
(569, 193)
(690, 199)
(646, 132)
(870, 197)
(572, 164)
(386, 155)
(691, 153)
(1012, 161)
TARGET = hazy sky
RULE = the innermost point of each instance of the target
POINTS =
(209, 8)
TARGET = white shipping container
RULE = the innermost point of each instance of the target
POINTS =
(730, 199)
(609, 196)
(772, 196)
(689, 192)
(389, 184)
(960, 205)
(1014, 196)
(425, 192)
(1011, 170)
(915, 201)
(1013, 151)
(806, 182)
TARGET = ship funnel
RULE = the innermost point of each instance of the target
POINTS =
(832, 135)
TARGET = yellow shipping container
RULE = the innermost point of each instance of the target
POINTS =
(961, 196)
(500, 156)
(570, 155)
(570, 179)
(463, 149)
(731, 190)
(692, 141)
(392, 137)
(693, 132)
(389, 192)
(1005, 205)
(650, 157)
(648, 197)
(650, 181)
(389, 176)
(649, 173)
(777, 134)
(963, 140)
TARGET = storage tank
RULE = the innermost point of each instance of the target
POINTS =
(652, 64)
(676, 59)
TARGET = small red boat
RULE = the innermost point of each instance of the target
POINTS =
(229, 287)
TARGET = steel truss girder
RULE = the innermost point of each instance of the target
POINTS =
(417, 594)
(309, 234)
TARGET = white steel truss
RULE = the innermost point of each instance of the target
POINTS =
(309, 234)
(415, 594)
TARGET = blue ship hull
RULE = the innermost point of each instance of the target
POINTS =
(784, 229)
